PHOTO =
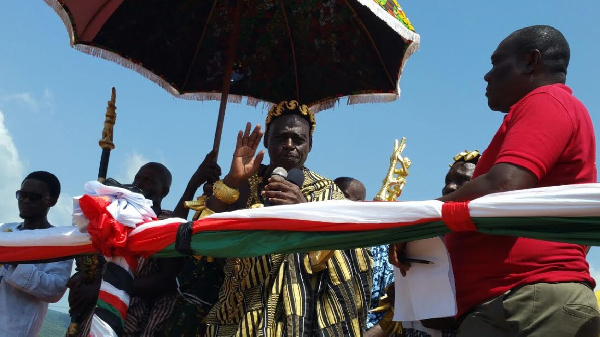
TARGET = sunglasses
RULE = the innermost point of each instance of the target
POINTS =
(22, 195)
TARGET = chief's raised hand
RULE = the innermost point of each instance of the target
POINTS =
(244, 163)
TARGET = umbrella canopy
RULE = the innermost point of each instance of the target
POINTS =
(313, 51)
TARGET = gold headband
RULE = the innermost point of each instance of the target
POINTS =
(466, 156)
(291, 108)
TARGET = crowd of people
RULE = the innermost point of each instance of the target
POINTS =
(505, 286)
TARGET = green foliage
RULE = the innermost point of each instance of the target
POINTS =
(55, 324)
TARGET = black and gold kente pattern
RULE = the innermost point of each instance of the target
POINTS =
(291, 108)
(276, 295)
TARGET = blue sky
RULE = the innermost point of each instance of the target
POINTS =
(53, 99)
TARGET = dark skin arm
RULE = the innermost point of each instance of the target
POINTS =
(243, 164)
(501, 177)
(160, 283)
(375, 331)
(208, 171)
(82, 295)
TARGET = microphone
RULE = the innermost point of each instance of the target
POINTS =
(295, 176)
(279, 173)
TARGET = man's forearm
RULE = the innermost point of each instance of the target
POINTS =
(180, 211)
(501, 177)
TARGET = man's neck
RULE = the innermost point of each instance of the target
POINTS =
(36, 223)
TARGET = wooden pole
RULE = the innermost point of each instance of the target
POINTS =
(233, 38)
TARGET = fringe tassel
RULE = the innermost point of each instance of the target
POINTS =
(372, 98)
(210, 96)
(120, 60)
(64, 16)
(324, 105)
(412, 48)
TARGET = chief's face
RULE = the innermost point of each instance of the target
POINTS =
(459, 173)
(288, 142)
(505, 81)
(34, 199)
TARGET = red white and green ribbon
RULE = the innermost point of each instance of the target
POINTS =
(562, 213)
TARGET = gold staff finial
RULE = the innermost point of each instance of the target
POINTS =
(395, 179)
(111, 116)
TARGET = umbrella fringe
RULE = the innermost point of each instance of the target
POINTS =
(407, 34)
(127, 63)
(253, 102)
(372, 98)
(411, 49)
(210, 96)
(64, 16)
(324, 105)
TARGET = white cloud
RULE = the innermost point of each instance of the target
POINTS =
(132, 166)
(24, 98)
(61, 213)
(31, 101)
(11, 174)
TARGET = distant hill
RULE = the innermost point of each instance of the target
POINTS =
(55, 324)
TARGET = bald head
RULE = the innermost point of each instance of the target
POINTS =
(353, 189)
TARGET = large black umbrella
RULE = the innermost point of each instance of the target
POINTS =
(267, 50)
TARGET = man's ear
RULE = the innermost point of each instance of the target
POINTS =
(310, 143)
(52, 201)
(166, 191)
(532, 60)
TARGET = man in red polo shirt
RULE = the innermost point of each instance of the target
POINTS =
(509, 286)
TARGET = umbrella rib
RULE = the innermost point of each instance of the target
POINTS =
(193, 63)
(293, 50)
(84, 31)
(362, 24)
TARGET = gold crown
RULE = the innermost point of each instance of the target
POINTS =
(466, 155)
(291, 108)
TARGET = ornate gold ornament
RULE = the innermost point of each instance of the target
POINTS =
(466, 155)
(224, 193)
(291, 107)
(395, 179)
(106, 142)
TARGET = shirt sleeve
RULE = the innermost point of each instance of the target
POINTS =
(47, 282)
(537, 133)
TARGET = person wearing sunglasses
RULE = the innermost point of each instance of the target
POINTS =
(26, 289)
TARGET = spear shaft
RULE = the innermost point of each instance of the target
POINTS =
(106, 143)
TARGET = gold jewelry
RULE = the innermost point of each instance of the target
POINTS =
(466, 156)
(224, 193)
(206, 212)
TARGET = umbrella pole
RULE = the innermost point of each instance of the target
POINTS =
(106, 143)
(227, 77)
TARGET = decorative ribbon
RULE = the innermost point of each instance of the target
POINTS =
(457, 217)
(108, 236)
